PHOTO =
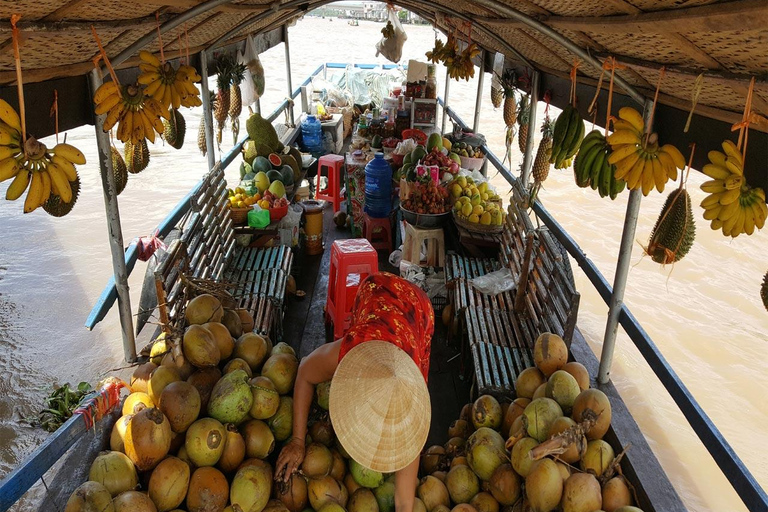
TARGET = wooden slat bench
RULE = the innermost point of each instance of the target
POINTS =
(501, 330)
(256, 278)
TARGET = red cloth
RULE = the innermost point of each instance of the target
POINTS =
(389, 308)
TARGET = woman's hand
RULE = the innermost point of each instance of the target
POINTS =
(291, 457)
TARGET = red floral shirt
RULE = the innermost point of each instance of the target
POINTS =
(389, 308)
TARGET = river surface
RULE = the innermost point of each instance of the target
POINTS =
(704, 313)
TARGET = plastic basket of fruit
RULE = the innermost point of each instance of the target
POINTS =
(477, 227)
(424, 220)
(239, 215)
(473, 164)
(419, 136)
(277, 212)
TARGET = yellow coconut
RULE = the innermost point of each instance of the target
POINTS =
(160, 347)
(204, 442)
(281, 369)
(148, 438)
(339, 468)
(115, 471)
(246, 320)
(528, 381)
(253, 349)
(581, 493)
(549, 353)
(116, 439)
(521, 455)
(486, 412)
(575, 450)
(593, 400)
(483, 502)
(168, 483)
(544, 486)
(540, 414)
(351, 484)
(160, 378)
(363, 500)
(541, 392)
(233, 323)
(514, 410)
(598, 457)
(563, 388)
(318, 461)
(137, 398)
(238, 364)
(141, 375)
(90, 497)
(222, 337)
(133, 501)
(208, 490)
(455, 447)
(325, 489)
(203, 309)
(266, 399)
(293, 494)
(200, 347)
(234, 450)
(462, 484)
(433, 459)
(182, 365)
(180, 402)
(616, 494)
(433, 493)
(259, 439)
(579, 372)
(505, 485)
(459, 461)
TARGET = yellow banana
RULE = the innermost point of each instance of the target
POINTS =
(35, 193)
(166, 99)
(677, 156)
(716, 224)
(148, 78)
(715, 171)
(47, 186)
(711, 201)
(759, 192)
(733, 181)
(138, 129)
(149, 58)
(18, 185)
(633, 178)
(749, 220)
(9, 137)
(659, 176)
(622, 137)
(59, 178)
(738, 226)
(713, 186)
(8, 151)
(69, 152)
(729, 196)
(729, 210)
(9, 168)
(633, 117)
(717, 158)
(153, 87)
(619, 153)
(713, 213)
(732, 151)
(621, 124)
(113, 116)
(669, 165)
(149, 130)
(625, 166)
(648, 178)
(104, 91)
(126, 126)
(760, 213)
(733, 166)
(106, 105)
(157, 123)
(9, 116)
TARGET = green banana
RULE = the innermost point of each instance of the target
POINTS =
(605, 178)
(597, 166)
(561, 128)
(589, 156)
(577, 139)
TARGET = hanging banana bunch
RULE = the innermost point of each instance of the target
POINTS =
(171, 87)
(459, 64)
(137, 116)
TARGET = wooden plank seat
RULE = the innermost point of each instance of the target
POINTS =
(256, 278)
(501, 330)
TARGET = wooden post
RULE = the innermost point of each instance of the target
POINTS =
(522, 284)
(115, 230)
(288, 74)
(207, 112)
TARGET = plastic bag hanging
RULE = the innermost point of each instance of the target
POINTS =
(253, 83)
(391, 45)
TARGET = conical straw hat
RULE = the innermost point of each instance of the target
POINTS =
(379, 405)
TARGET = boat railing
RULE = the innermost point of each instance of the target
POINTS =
(742, 480)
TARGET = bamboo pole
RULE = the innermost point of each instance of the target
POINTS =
(528, 157)
(207, 112)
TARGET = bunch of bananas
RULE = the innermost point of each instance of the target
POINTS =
(32, 166)
(639, 160)
(459, 64)
(137, 115)
(592, 167)
(732, 205)
(169, 86)
(566, 140)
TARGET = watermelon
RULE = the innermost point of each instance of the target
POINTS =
(275, 175)
(287, 172)
(260, 163)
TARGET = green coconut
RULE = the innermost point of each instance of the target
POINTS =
(365, 477)
(251, 488)
(282, 422)
(485, 452)
(486, 412)
(281, 369)
(231, 398)
(563, 388)
(266, 399)
(385, 497)
(540, 414)
(462, 484)
(323, 393)
(204, 442)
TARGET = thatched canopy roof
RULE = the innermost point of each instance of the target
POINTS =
(726, 41)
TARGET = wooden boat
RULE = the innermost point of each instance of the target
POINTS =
(532, 37)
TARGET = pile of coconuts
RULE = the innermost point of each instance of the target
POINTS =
(542, 452)
(204, 423)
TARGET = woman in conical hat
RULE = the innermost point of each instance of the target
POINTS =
(379, 403)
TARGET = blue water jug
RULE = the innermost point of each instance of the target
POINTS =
(378, 187)
(312, 133)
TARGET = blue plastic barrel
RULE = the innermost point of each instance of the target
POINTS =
(312, 133)
(378, 187)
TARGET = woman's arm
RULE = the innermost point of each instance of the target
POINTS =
(317, 367)
(405, 486)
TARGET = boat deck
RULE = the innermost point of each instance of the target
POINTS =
(304, 329)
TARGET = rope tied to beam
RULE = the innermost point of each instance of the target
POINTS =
(19, 82)
(573, 74)
(55, 112)
(747, 118)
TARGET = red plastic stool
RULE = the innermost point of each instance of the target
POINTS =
(352, 261)
(378, 232)
(333, 167)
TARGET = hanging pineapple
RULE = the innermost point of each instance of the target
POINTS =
(223, 81)
(201, 131)
(236, 99)
(544, 153)
(497, 91)
(523, 118)
(510, 107)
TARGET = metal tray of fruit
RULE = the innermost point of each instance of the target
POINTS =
(476, 226)
(424, 220)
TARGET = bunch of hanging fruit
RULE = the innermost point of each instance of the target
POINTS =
(459, 63)
(567, 137)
